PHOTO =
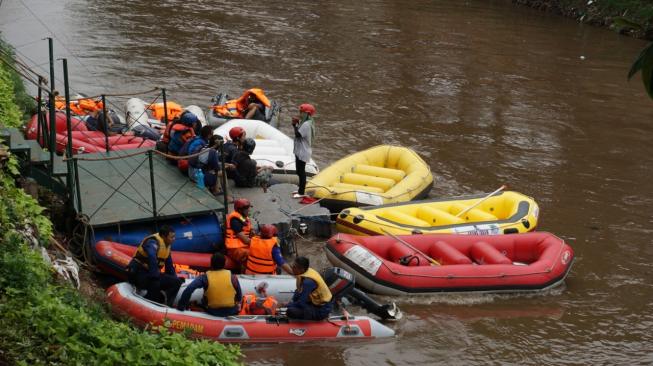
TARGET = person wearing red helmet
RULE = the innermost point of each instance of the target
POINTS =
(265, 254)
(239, 231)
(304, 127)
(237, 135)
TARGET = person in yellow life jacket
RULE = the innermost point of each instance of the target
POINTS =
(265, 254)
(312, 299)
(222, 293)
(239, 231)
(259, 303)
(145, 267)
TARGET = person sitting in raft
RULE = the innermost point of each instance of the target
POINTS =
(245, 171)
(222, 293)
(145, 267)
(265, 254)
(250, 105)
(238, 232)
(312, 299)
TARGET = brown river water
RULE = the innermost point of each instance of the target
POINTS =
(487, 92)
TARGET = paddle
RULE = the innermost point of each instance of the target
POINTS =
(433, 261)
(481, 201)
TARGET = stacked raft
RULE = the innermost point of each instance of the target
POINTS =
(83, 140)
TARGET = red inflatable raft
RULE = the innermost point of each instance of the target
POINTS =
(113, 258)
(420, 264)
(83, 140)
(242, 329)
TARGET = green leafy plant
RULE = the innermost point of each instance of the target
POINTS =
(644, 63)
(44, 322)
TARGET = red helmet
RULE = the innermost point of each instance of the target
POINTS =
(308, 108)
(236, 132)
(268, 231)
(241, 203)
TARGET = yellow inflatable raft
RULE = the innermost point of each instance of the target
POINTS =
(504, 212)
(379, 175)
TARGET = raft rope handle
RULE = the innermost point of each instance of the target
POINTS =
(402, 227)
(501, 275)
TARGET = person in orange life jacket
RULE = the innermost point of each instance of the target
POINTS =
(239, 231)
(312, 299)
(265, 254)
(254, 109)
(259, 303)
(222, 293)
(180, 130)
(145, 267)
(304, 127)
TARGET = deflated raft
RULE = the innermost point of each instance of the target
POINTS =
(380, 175)
(465, 263)
(505, 212)
(126, 301)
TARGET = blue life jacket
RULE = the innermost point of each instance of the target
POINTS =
(194, 145)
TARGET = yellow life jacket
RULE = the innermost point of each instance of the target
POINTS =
(232, 241)
(234, 108)
(259, 259)
(321, 295)
(221, 292)
(162, 252)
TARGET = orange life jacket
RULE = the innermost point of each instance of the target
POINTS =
(253, 305)
(232, 241)
(259, 259)
(234, 108)
(184, 270)
(79, 107)
(174, 110)
(177, 127)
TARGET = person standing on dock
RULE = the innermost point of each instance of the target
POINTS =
(145, 267)
(265, 253)
(304, 127)
(312, 299)
(239, 232)
(222, 293)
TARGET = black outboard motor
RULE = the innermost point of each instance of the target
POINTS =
(341, 283)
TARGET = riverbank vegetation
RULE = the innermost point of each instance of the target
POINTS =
(44, 320)
(631, 17)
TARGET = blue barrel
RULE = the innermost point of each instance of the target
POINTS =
(199, 234)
